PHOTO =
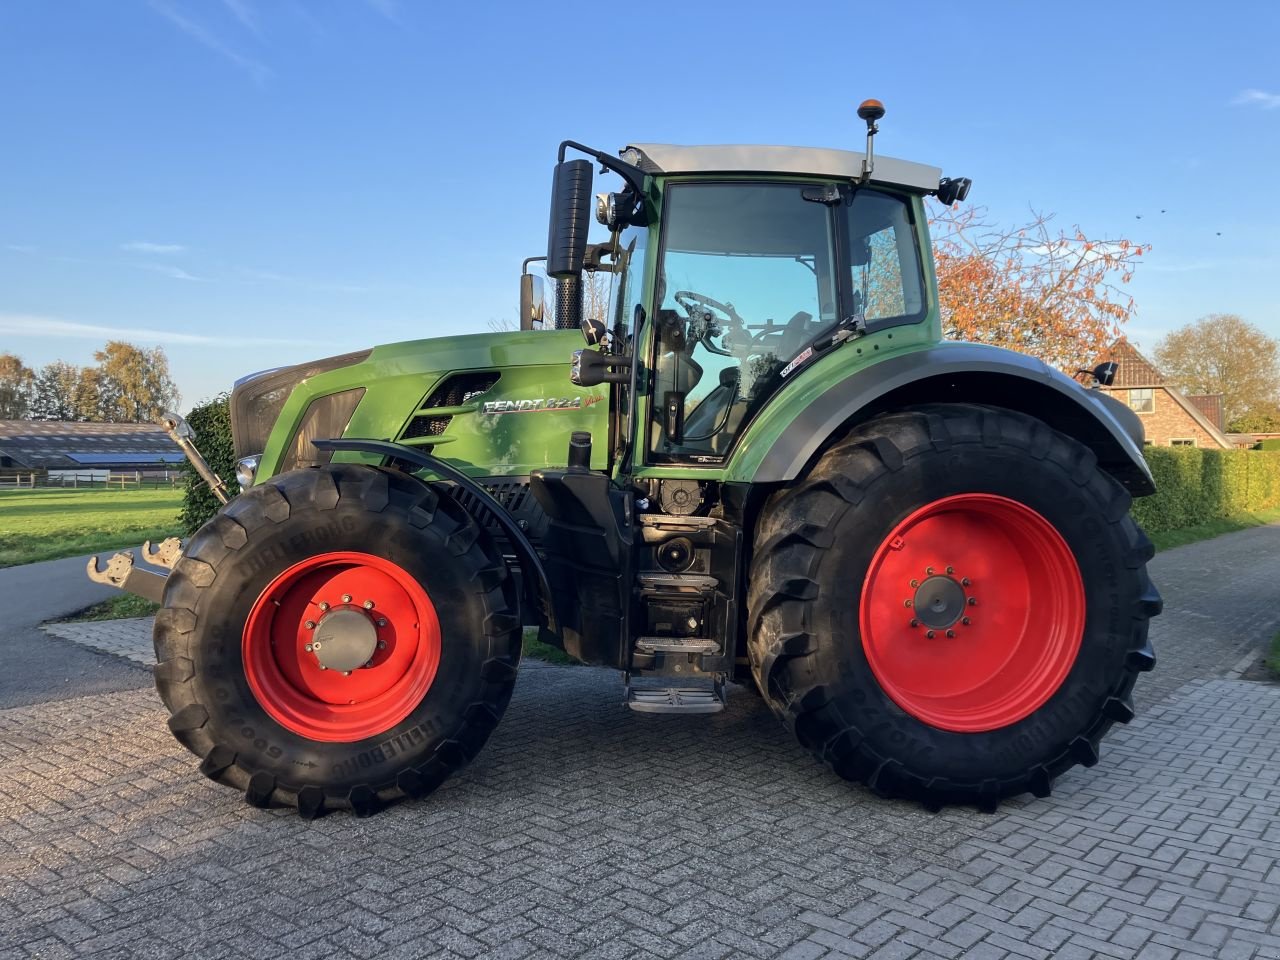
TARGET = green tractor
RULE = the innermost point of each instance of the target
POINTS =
(764, 465)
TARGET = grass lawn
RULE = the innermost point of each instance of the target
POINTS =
(1272, 661)
(48, 524)
(1214, 528)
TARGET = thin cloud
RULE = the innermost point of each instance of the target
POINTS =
(162, 249)
(244, 12)
(19, 248)
(201, 34)
(27, 325)
(173, 273)
(268, 276)
(1258, 98)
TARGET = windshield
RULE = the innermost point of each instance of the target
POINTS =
(745, 284)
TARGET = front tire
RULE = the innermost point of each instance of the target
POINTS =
(952, 605)
(337, 638)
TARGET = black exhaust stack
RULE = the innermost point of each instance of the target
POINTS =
(567, 237)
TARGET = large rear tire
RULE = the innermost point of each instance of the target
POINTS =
(952, 605)
(337, 638)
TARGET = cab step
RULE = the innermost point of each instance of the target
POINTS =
(677, 645)
(676, 699)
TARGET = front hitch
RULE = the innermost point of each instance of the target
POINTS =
(121, 573)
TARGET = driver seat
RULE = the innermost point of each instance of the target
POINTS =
(794, 336)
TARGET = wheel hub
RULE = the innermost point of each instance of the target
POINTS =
(939, 602)
(345, 640)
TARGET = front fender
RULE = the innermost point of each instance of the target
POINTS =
(954, 373)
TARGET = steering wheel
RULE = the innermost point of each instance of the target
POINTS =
(703, 326)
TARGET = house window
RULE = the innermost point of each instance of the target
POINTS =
(1182, 443)
(1142, 400)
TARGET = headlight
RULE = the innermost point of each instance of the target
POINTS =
(256, 401)
(326, 417)
(246, 470)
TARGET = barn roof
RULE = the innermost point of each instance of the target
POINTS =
(57, 445)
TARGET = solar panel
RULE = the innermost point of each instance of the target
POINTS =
(123, 457)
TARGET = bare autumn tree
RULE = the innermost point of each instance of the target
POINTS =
(16, 381)
(1034, 288)
(134, 385)
(1223, 353)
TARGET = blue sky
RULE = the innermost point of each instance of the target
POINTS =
(256, 182)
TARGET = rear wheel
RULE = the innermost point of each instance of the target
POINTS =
(952, 606)
(337, 638)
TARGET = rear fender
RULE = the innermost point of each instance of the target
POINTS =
(964, 373)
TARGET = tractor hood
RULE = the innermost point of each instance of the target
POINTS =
(454, 396)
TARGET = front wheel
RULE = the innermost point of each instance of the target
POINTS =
(952, 605)
(337, 638)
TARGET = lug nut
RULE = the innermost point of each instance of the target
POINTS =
(346, 673)
(907, 603)
(346, 598)
(964, 581)
(310, 624)
(315, 645)
(951, 633)
(915, 622)
(965, 620)
(368, 604)
(951, 569)
(929, 571)
(307, 648)
(915, 583)
(323, 605)
(382, 621)
(368, 663)
(382, 644)
(929, 634)
(323, 667)
(973, 601)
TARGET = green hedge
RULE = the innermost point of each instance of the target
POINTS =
(1194, 486)
(211, 421)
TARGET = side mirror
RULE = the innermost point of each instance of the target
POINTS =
(570, 218)
(590, 368)
(593, 331)
(533, 303)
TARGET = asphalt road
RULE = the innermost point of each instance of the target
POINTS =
(41, 668)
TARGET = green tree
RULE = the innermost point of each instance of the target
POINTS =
(1223, 353)
(16, 380)
(58, 393)
(134, 385)
(1259, 421)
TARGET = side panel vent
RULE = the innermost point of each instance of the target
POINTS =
(460, 389)
(514, 494)
(455, 391)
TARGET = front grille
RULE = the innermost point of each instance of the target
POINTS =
(454, 391)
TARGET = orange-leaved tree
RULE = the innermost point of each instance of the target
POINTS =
(1053, 294)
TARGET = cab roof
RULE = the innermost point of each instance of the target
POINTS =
(667, 158)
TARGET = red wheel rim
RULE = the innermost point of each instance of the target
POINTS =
(379, 607)
(972, 612)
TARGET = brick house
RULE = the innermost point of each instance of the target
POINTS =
(1171, 418)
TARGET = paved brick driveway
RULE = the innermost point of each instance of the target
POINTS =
(587, 830)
